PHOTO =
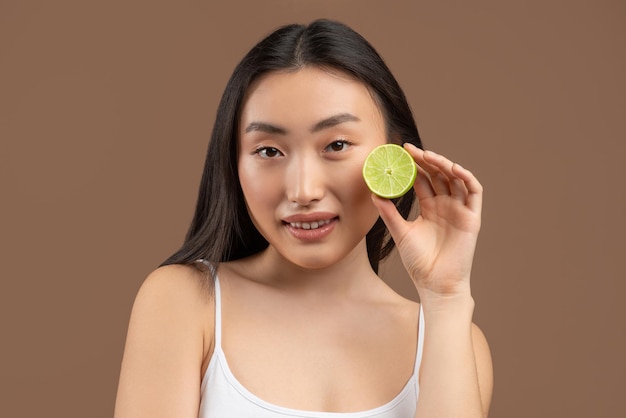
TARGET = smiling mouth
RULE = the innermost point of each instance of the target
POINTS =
(309, 225)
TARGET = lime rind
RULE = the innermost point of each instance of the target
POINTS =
(389, 171)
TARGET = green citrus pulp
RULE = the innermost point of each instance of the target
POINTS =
(389, 171)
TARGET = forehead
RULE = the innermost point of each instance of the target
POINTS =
(305, 95)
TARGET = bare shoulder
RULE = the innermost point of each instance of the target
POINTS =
(169, 336)
(175, 303)
(174, 293)
(176, 284)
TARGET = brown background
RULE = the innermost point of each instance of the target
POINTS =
(105, 111)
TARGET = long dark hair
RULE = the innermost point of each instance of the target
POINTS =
(221, 229)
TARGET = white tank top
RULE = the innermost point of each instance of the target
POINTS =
(224, 396)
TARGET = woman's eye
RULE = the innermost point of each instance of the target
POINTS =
(337, 146)
(268, 152)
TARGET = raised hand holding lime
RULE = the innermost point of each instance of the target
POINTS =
(437, 247)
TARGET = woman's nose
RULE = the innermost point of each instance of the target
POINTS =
(305, 181)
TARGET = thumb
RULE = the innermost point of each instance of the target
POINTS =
(396, 224)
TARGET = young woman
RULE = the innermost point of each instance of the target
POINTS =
(273, 307)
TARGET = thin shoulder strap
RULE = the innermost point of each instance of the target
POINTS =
(218, 314)
(210, 267)
(420, 342)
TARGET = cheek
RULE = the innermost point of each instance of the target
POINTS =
(251, 188)
(355, 189)
(257, 190)
(368, 213)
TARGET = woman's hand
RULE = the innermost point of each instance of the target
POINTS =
(437, 248)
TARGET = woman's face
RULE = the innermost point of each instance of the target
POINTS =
(303, 138)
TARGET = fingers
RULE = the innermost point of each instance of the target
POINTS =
(396, 224)
(444, 178)
(474, 189)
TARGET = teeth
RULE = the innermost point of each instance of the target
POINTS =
(309, 225)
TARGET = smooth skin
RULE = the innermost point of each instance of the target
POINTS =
(309, 311)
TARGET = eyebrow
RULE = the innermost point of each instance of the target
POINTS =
(319, 126)
(265, 127)
(334, 121)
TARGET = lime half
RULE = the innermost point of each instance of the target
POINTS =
(389, 171)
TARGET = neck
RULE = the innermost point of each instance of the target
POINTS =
(348, 276)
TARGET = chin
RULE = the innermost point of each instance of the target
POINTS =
(319, 258)
(313, 264)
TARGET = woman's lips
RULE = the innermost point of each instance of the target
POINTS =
(310, 227)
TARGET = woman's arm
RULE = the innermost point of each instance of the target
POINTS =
(456, 375)
(161, 368)
(437, 250)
